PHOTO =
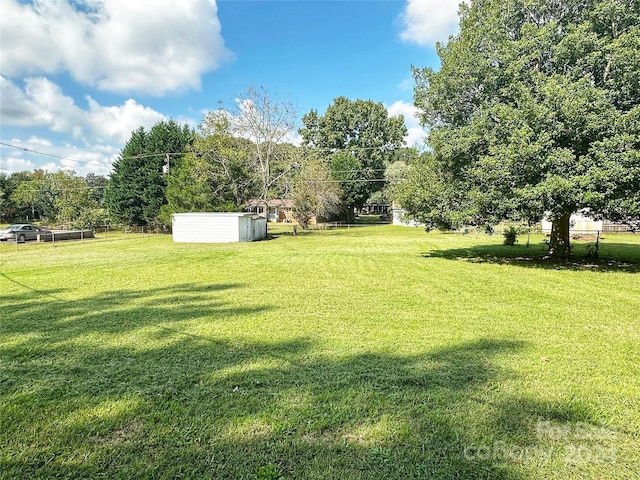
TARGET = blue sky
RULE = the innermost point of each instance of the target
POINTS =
(77, 76)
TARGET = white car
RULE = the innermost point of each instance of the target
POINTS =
(21, 232)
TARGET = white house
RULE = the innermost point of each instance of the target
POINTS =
(581, 222)
(218, 227)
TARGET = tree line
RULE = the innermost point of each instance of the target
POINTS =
(231, 158)
(61, 198)
(235, 156)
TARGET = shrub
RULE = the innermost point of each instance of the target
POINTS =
(510, 236)
(90, 218)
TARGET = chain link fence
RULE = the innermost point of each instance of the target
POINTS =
(61, 234)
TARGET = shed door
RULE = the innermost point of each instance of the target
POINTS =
(248, 236)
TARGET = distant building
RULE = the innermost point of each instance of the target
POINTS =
(277, 209)
(376, 208)
(581, 222)
(399, 217)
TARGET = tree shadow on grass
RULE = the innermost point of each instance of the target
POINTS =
(47, 314)
(609, 260)
(201, 406)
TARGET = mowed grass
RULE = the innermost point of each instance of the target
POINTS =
(362, 353)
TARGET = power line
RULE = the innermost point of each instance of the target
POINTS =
(164, 154)
(133, 157)
(24, 149)
(353, 149)
(364, 180)
(168, 154)
(150, 155)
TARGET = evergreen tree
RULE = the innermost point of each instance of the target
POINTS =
(137, 187)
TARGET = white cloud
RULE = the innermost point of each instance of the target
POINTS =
(18, 108)
(101, 131)
(150, 46)
(14, 163)
(426, 22)
(416, 134)
(43, 104)
(117, 122)
(95, 159)
(53, 109)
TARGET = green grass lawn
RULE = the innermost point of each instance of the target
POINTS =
(363, 353)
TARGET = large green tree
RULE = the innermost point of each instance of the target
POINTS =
(31, 197)
(534, 111)
(137, 186)
(429, 194)
(216, 175)
(9, 209)
(358, 137)
(69, 195)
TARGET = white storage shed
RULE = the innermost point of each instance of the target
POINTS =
(218, 227)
